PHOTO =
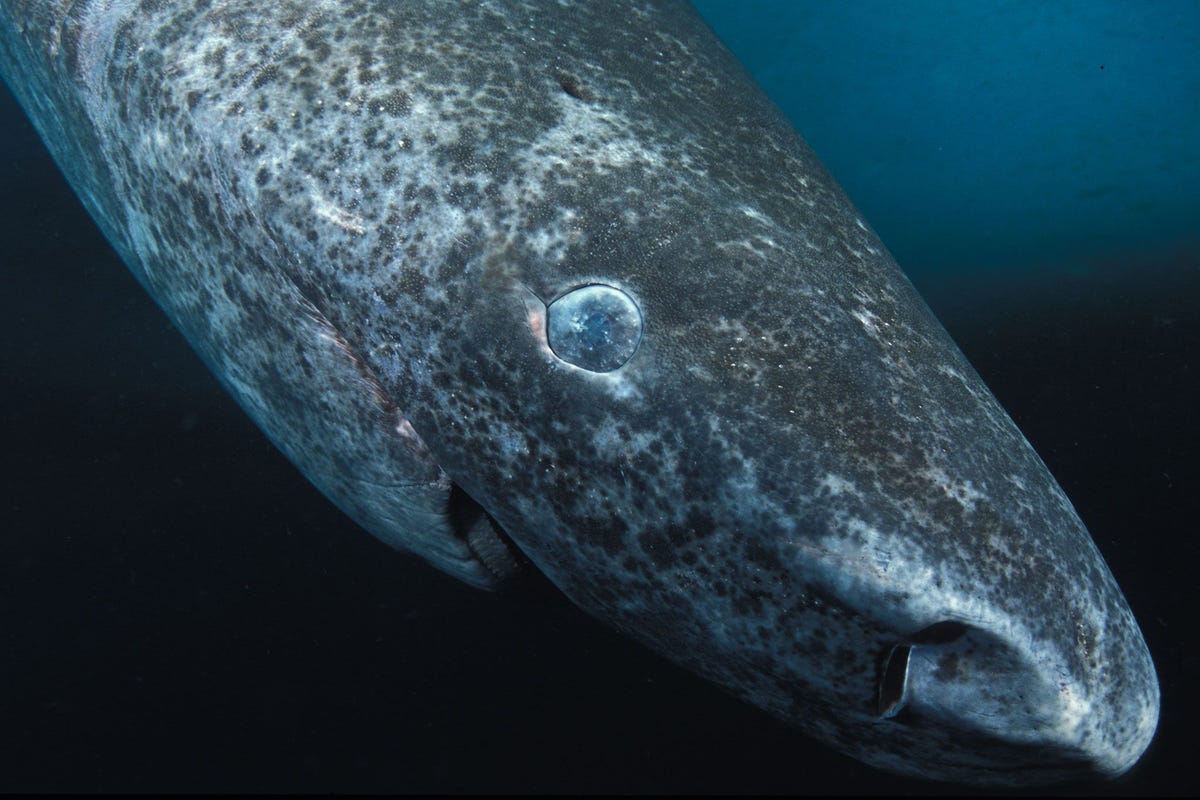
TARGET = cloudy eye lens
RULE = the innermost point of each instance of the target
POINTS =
(595, 327)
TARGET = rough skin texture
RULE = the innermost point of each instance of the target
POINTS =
(357, 212)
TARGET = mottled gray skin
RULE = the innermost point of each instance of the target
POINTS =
(357, 211)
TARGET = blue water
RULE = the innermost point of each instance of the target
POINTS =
(180, 609)
(992, 135)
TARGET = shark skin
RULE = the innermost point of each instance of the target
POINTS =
(361, 215)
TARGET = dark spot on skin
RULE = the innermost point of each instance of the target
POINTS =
(262, 177)
(250, 147)
(216, 60)
(948, 667)
(696, 527)
(317, 45)
(572, 86)
(396, 103)
(749, 604)
(265, 76)
(375, 139)
(756, 554)
(660, 549)
(610, 537)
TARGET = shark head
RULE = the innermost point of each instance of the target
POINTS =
(752, 448)
(679, 371)
(571, 259)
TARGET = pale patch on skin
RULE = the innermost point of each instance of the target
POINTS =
(837, 485)
(962, 492)
(339, 216)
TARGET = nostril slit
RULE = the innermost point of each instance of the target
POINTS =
(894, 682)
(940, 633)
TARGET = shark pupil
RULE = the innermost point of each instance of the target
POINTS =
(594, 327)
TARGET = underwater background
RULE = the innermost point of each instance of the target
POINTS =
(180, 609)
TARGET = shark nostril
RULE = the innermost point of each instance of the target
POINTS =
(942, 632)
(893, 681)
(893, 684)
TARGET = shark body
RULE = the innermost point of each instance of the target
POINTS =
(556, 283)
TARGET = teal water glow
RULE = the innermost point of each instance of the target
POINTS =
(982, 135)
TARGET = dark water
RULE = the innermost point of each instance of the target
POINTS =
(180, 609)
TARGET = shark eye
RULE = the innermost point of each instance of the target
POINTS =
(594, 327)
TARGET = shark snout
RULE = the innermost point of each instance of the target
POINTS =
(1019, 702)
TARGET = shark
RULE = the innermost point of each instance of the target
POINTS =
(554, 287)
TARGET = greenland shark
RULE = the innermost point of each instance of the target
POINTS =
(553, 286)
